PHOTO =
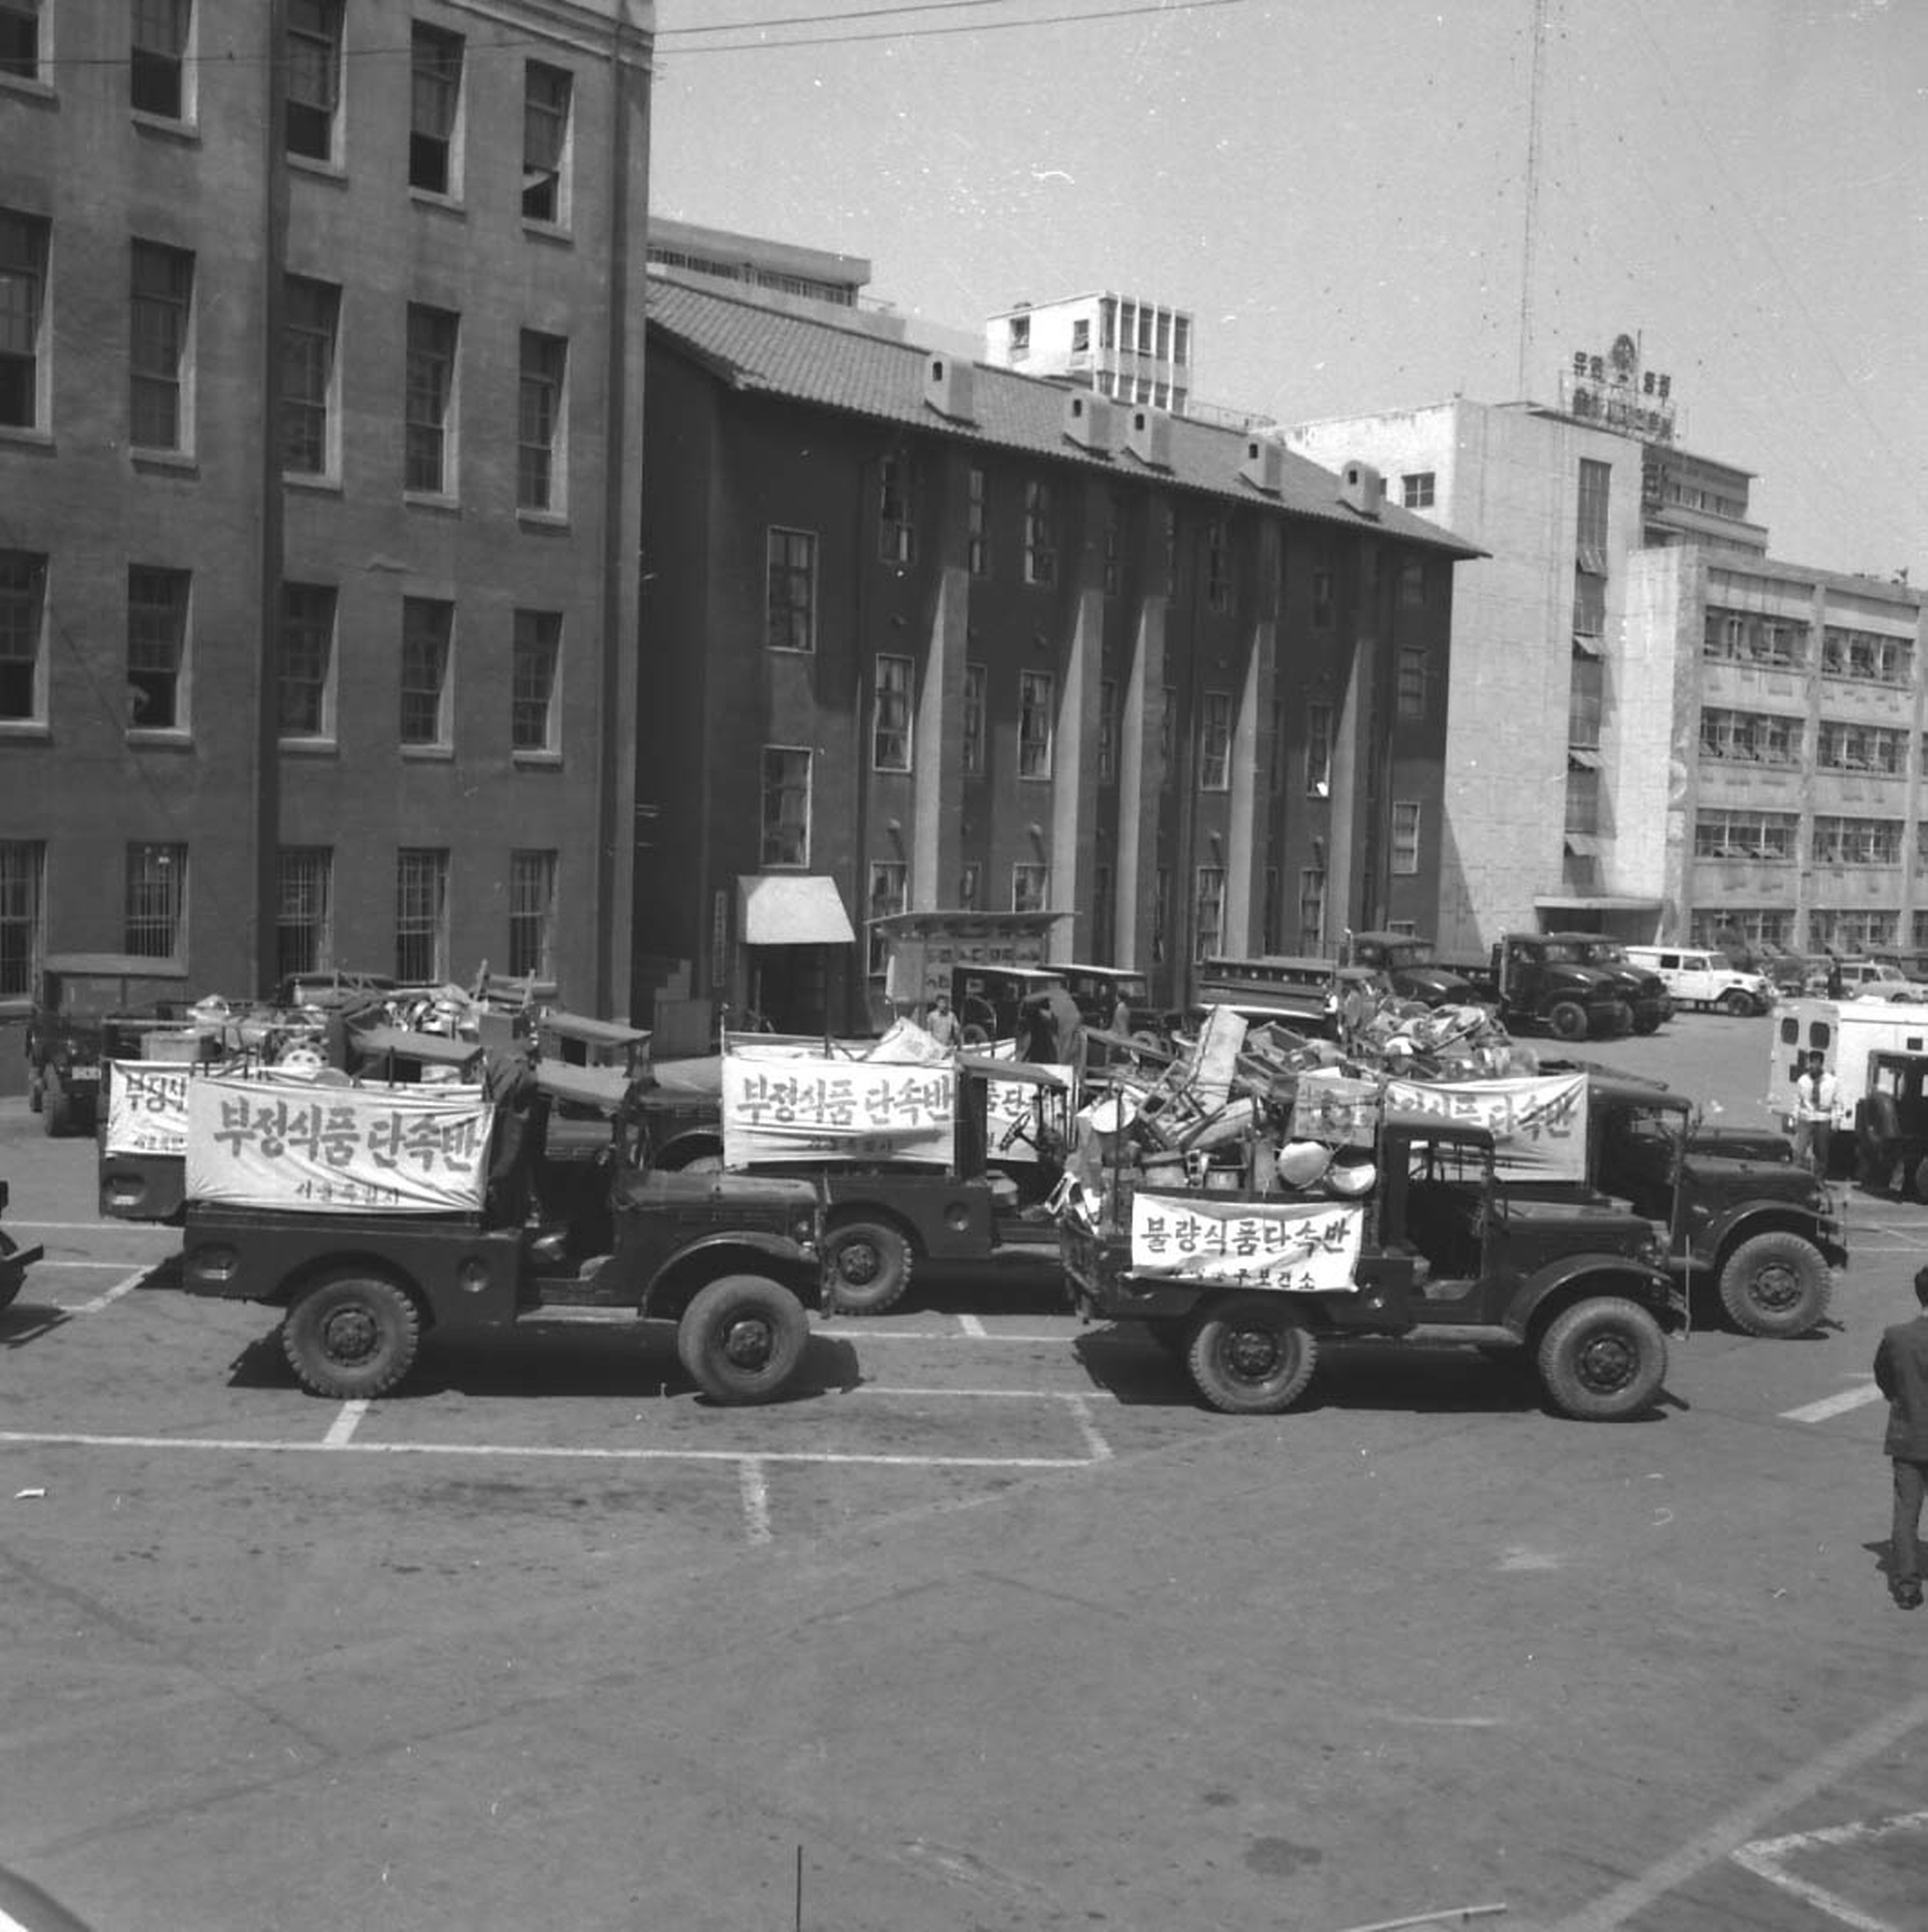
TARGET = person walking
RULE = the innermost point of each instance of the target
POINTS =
(1901, 1373)
(941, 1023)
(1817, 1093)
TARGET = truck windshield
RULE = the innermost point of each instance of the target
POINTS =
(1604, 952)
(1559, 953)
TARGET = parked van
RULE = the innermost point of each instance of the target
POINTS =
(1695, 977)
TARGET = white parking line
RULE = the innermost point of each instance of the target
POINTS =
(970, 1325)
(1765, 1857)
(108, 1296)
(756, 1492)
(1834, 1405)
(341, 1430)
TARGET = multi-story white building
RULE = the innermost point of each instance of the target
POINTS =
(1653, 729)
(1121, 346)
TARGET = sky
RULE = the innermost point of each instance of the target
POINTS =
(1341, 192)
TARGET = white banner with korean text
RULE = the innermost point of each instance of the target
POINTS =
(269, 1144)
(146, 1107)
(810, 1108)
(1307, 1250)
(1539, 1122)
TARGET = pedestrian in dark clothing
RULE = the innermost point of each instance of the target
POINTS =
(1901, 1371)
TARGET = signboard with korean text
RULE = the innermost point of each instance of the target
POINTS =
(1539, 1122)
(1303, 1249)
(287, 1144)
(146, 1107)
(837, 1109)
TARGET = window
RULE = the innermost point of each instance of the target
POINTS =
(978, 540)
(538, 642)
(1856, 841)
(1416, 490)
(1108, 731)
(1215, 742)
(307, 654)
(22, 863)
(1080, 335)
(896, 536)
(974, 720)
(1867, 655)
(890, 716)
(1586, 702)
(156, 896)
(1036, 690)
(20, 38)
(1590, 606)
(1760, 738)
(313, 77)
(307, 376)
(1019, 336)
(1208, 925)
(158, 66)
(1030, 884)
(970, 883)
(434, 101)
(23, 585)
(427, 625)
(304, 898)
(23, 284)
(532, 915)
(545, 93)
(1412, 681)
(1217, 568)
(1115, 545)
(1323, 594)
(422, 916)
(430, 388)
(539, 421)
(791, 609)
(1411, 584)
(890, 893)
(1319, 751)
(1040, 535)
(1104, 913)
(1591, 530)
(1746, 835)
(786, 839)
(1312, 909)
(159, 299)
(156, 643)
(1404, 835)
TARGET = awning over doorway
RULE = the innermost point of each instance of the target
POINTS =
(790, 909)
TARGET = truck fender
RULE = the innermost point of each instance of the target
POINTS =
(698, 1143)
(297, 1281)
(1722, 1236)
(670, 1290)
(1577, 1278)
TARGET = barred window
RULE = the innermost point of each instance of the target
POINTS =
(22, 869)
(891, 716)
(422, 916)
(157, 900)
(304, 894)
(532, 915)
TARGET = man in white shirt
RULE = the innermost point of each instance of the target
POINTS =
(1817, 1093)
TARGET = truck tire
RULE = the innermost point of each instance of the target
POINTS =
(352, 1336)
(1649, 1025)
(1568, 1019)
(1735, 1003)
(741, 1339)
(1602, 1360)
(1921, 1179)
(866, 1267)
(1777, 1284)
(1252, 1355)
(56, 1108)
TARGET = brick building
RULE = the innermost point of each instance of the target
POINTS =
(933, 635)
(320, 471)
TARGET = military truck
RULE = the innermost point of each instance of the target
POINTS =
(1642, 989)
(89, 1007)
(1444, 1251)
(1536, 979)
(1406, 965)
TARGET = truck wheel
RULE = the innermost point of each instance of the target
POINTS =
(1775, 1284)
(866, 1267)
(1618, 1023)
(352, 1336)
(1649, 1025)
(1921, 1179)
(1252, 1355)
(1735, 1003)
(56, 1109)
(741, 1339)
(1602, 1360)
(1568, 1019)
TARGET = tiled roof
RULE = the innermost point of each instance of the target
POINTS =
(755, 348)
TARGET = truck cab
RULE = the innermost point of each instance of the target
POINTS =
(90, 1008)
(1407, 966)
(1640, 987)
(1544, 981)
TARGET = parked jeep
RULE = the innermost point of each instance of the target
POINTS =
(88, 1006)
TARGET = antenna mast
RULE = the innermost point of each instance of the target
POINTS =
(1532, 196)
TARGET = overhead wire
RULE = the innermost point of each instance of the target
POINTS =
(1028, 21)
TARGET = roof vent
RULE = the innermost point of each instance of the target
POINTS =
(1089, 423)
(1148, 437)
(947, 387)
(1362, 488)
(1264, 467)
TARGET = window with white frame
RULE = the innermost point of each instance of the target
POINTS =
(1417, 489)
(312, 313)
(545, 105)
(23, 288)
(157, 601)
(1108, 731)
(1841, 746)
(428, 401)
(1215, 742)
(1760, 738)
(1405, 835)
(421, 915)
(160, 307)
(20, 40)
(428, 625)
(1856, 841)
(790, 609)
(1867, 655)
(1030, 884)
(1040, 534)
(974, 723)
(536, 650)
(1319, 751)
(304, 908)
(157, 900)
(1591, 523)
(896, 530)
(785, 806)
(23, 589)
(891, 716)
(1036, 703)
(22, 871)
(1739, 834)
(890, 893)
(1207, 924)
(434, 110)
(313, 77)
(307, 660)
(539, 419)
(532, 915)
(157, 74)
